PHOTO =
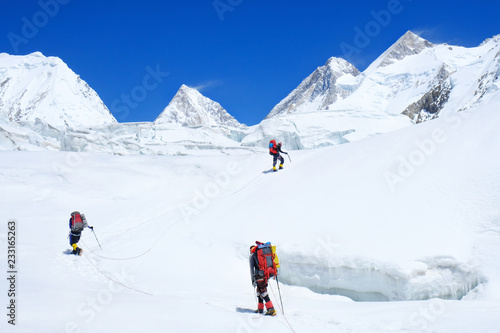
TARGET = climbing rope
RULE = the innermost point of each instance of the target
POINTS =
(281, 309)
(109, 258)
(115, 281)
(242, 188)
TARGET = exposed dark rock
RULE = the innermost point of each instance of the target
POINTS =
(429, 106)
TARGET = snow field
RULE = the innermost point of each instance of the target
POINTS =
(175, 232)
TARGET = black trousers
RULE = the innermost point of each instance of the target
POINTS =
(276, 157)
(74, 238)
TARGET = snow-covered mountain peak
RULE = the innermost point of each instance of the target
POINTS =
(190, 108)
(412, 42)
(338, 67)
(411, 37)
(318, 90)
(32, 60)
(335, 63)
(37, 87)
(187, 92)
(185, 89)
(407, 45)
(37, 54)
(495, 39)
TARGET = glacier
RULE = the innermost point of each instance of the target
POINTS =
(421, 256)
(44, 105)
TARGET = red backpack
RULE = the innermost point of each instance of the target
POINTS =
(76, 222)
(268, 260)
(272, 147)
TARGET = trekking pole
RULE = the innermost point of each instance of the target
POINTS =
(279, 293)
(289, 157)
(256, 298)
(96, 238)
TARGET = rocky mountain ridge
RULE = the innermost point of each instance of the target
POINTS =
(44, 104)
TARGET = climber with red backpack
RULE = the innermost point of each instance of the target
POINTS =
(275, 150)
(264, 265)
(77, 223)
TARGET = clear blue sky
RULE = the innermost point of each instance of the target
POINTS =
(245, 54)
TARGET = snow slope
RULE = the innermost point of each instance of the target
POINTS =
(35, 86)
(405, 216)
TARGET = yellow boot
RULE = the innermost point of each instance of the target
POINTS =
(281, 166)
(274, 168)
